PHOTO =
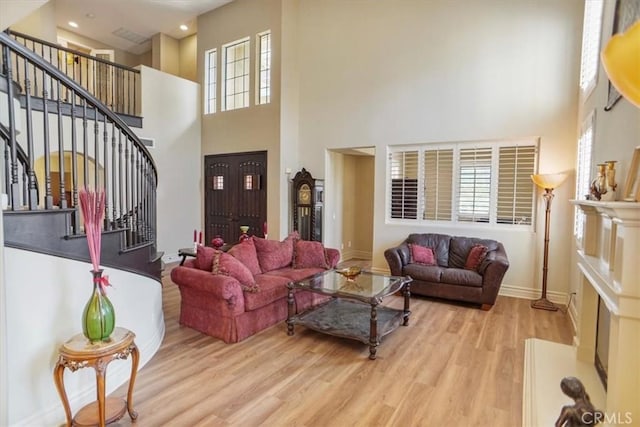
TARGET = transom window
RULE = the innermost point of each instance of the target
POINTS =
(236, 71)
(263, 94)
(592, 27)
(482, 182)
(210, 80)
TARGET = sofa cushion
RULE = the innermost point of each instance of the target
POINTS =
(421, 255)
(459, 248)
(204, 258)
(476, 255)
(438, 242)
(308, 254)
(460, 276)
(226, 264)
(272, 288)
(245, 252)
(273, 254)
(427, 273)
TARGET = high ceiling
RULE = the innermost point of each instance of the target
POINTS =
(130, 24)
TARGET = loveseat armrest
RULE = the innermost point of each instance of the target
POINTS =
(333, 257)
(494, 269)
(397, 258)
(222, 291)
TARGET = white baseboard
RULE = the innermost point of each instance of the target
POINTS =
(348, 254)
(507, 290)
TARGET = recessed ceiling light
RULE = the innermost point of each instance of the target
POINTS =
(184, 27)
(73, 24)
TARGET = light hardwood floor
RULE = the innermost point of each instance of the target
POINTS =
(452, 366)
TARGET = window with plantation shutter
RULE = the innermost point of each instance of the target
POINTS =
(474, 185)
(515, 188)
(438, 184)
(404, 185)
(583, 171)
(463, 182)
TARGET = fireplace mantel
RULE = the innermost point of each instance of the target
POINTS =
(608, 260)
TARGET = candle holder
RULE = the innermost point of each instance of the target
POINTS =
(243, 233)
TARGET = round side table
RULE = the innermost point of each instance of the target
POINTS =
(77, 353)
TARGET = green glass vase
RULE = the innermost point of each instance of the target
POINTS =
(98, 317)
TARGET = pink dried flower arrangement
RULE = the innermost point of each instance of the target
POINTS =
(92, 205)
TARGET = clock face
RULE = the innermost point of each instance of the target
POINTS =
(304, 194)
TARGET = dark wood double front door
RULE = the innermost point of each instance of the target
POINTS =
(235, 194)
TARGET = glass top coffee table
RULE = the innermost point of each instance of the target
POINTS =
(354, 311)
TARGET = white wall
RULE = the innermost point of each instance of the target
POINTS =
(386, 73)
(13, 11)
(171, 110)
(40, 22)
(45, 297)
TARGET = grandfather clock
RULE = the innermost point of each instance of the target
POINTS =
(307, 205)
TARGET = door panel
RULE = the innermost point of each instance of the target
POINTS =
(235, 194)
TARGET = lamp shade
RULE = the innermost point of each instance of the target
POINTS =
(551, 180)
(621, 61)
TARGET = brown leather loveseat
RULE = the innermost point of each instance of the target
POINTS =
(452, 273)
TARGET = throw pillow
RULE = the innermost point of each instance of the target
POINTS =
(309, 254)
(245, 252)
(272, 254)
(204, 257)
(422, 255)
(475, 257)
(226, 264)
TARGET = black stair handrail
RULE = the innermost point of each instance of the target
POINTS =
(123, 94)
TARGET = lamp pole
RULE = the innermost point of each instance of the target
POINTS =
(543, 303)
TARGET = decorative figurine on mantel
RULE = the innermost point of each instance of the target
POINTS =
(610, 193)
(582, 413)
(603, 188)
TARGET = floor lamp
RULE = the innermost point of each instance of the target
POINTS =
(548, 182)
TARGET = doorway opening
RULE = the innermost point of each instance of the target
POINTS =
(352, 172)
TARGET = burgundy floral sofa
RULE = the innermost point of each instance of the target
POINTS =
(452, 267)
(235, 294)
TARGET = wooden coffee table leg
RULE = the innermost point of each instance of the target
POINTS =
(373, 332)
(407, 295)
(291, 312)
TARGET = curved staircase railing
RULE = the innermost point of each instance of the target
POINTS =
(72, 139)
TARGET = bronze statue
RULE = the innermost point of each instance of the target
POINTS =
(582, 413)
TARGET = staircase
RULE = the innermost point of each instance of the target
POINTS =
(59, 135)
